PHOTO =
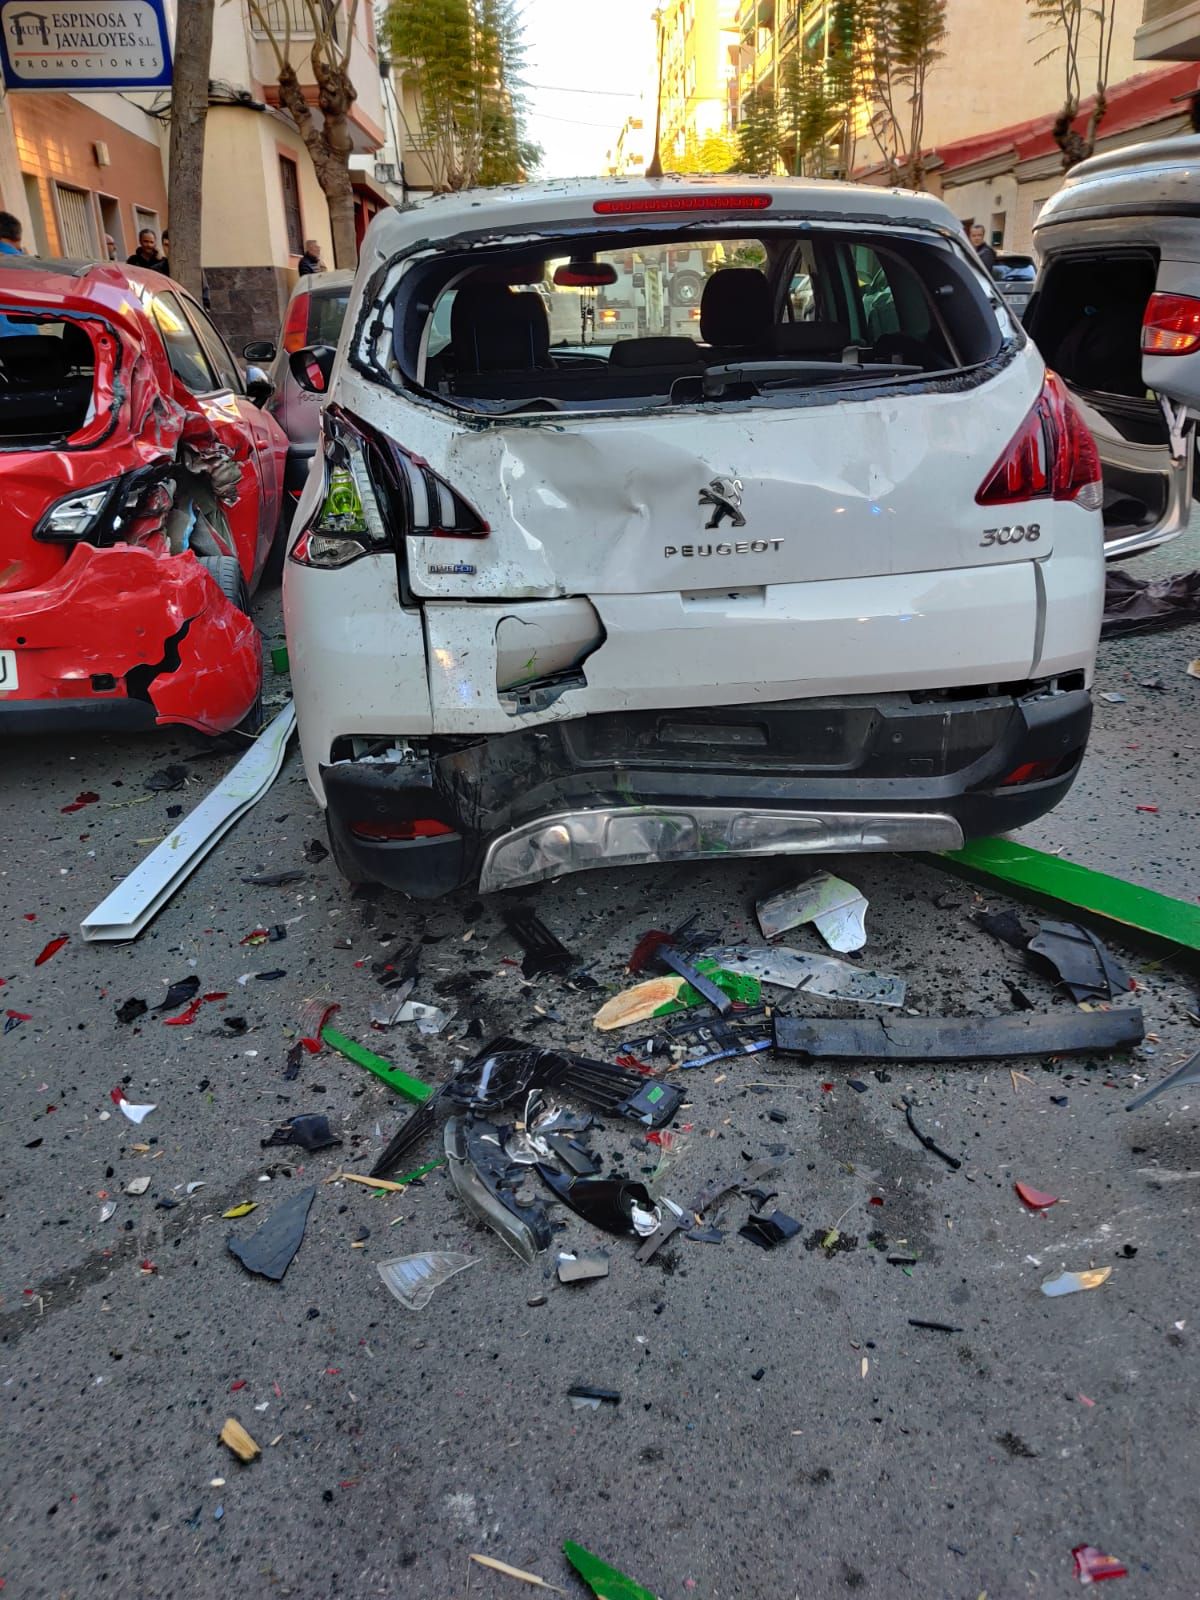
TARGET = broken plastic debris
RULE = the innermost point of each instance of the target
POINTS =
(1093, 1566)
(107, 1209)
(311, 1132)
(1078, 960)
(768, 1229)
(314, 1014)
(486, 1181)
(1063, 1032)
(190, 1012)
(183, 990)
(582, 1266)
(387, 1012)
(657, 949)
(1073, 1282)
(923, 1138)
(814, 973)
(836, 908)
(617, 1205)
(235, 1437)
(1111, 697)
(1035, 1199)
(413, 1279)
(137, 1185)
(588, 1394)
(244, 1210)
(269, 1252)
(167, 778)
(49, 950)
(543, 952)
(661, 997)
(134, 1113)
(1189, 1072)
(515, 1572)
(87, 798)
(411, 1088)
(130, 1010)
(605, 1582)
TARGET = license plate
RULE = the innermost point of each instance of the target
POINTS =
(8, 671)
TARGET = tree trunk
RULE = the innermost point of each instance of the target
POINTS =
(189, 113)
(329, 146)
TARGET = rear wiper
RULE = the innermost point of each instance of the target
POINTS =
(758, 377)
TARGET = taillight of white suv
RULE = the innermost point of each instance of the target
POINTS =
(1052, 456)
(375, 494)
(1171, 325)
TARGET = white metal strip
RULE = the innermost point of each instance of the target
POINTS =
(141, 895)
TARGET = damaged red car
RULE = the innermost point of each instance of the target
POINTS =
(141, 485)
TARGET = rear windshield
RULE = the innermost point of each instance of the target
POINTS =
(326, 313)
(644, 320)
(46, 371)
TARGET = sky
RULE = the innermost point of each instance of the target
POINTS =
(588, 63)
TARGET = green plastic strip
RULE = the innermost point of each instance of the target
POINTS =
(605, 1582)
(1022, 868)
(411, 1177)
(411, 1088)
(279, 659)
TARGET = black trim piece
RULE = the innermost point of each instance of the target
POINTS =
(957, 1038)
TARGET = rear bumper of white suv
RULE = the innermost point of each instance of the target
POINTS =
(850, 773)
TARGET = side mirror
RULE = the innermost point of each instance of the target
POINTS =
(259, 351)
(312, 366)
(259, 385)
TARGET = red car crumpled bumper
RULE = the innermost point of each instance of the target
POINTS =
(134, 629)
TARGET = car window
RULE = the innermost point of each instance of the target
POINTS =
(875, 293)
(326, 313)
(806, 293)
(220, 358)
(184, 352)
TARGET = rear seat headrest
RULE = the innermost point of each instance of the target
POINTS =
(494, 330)
(736, 307)
(654, 351)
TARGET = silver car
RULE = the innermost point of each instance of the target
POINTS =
(314, 316)
(1116, 313)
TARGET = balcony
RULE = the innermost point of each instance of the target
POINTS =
(1170, 31)
(293, 18)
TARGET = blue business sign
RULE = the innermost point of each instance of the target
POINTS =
(90, 44)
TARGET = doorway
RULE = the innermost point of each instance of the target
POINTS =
(110, 222)
(37, 217)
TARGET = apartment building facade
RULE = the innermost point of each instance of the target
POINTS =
(78, 167)
(1169, 30)
(698, 41)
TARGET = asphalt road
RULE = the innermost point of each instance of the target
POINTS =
(783, 1431)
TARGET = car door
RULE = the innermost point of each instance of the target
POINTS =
(269, 439)
(216, 401)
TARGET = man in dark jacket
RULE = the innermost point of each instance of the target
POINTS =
(146, 255)
(310, 261)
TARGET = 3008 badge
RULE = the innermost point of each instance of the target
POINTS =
(1031, 533)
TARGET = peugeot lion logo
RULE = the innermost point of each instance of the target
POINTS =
(724, 495)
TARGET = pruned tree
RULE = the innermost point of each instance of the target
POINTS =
(902, 42)
(463, 60)
(330, 142)
(185, 163)
(758, 134)
(714, 153)
(1079, 30)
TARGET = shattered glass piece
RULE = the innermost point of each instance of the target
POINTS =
(770, 1229)
(311, 1132)
(613, 1204)
(1077, 959)
(49, 950)
(605, 1582)
(485, 1180)
(315, 851)
(814, 973)
(413, 1279)
(1189, 1072)
(137, 1185)
(1073, 1282)
(581, 1266)
(134, 1113)
(130, 1010)
(836, 907)
(1035, 1199)
(107, 1209)
(1093, 1566)
(270, 1250)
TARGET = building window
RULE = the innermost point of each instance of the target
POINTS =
(289, 182)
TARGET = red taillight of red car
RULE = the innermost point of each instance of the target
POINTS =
(1171, 325)
(295, 329)
(408, 829)
(1052, 456)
